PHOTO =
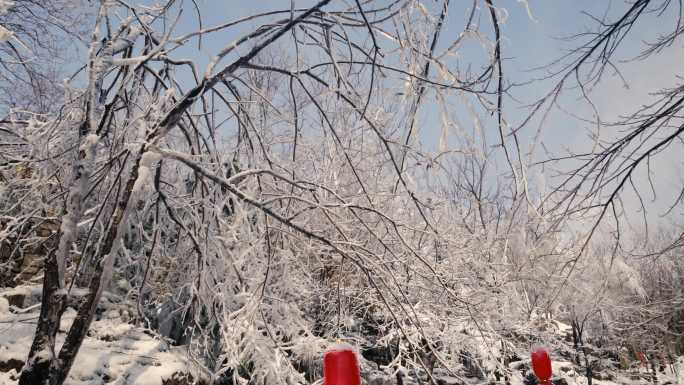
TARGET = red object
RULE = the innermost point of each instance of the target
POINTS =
(642, 358)
(541, 364)
(340, 366)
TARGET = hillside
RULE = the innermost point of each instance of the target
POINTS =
(119, 352)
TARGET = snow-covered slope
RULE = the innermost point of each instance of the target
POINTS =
(114, 353)
(119, 353)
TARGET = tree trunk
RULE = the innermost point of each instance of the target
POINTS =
(589, 373)
(589, 368)
(41, 355)
(103, 260)
(40, 364)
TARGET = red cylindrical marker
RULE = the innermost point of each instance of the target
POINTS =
(642, 358)
(340, 366)
(541, 365)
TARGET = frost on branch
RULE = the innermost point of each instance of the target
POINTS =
(5, 34)
(5, 5)
(348, 171)
(145, 172)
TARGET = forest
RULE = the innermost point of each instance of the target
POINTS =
(217, 192)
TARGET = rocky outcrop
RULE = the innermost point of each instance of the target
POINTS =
(180, 378)
(11, 364)
(24, 251)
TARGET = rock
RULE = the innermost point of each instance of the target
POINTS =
(28, 262)
(530, 379)
(22, 296)
(179, 378)
(512, 357)
(31, 265)
(566, 354)
(380, 355)
(16, 299)
(522, 366)
(559, 381)
(11, 364)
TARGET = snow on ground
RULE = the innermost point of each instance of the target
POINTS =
(114, 353)
(673, 375)
(118, 353)
(560, 366)
(563, 329)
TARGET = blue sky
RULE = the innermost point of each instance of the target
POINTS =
(531, 33)
(530, 40)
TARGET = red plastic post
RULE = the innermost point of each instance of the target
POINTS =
(642, 358)
(541, 365)
(340, 366)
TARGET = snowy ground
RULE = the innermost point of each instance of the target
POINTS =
(114, 353)
(567, 371)
(118, 353)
